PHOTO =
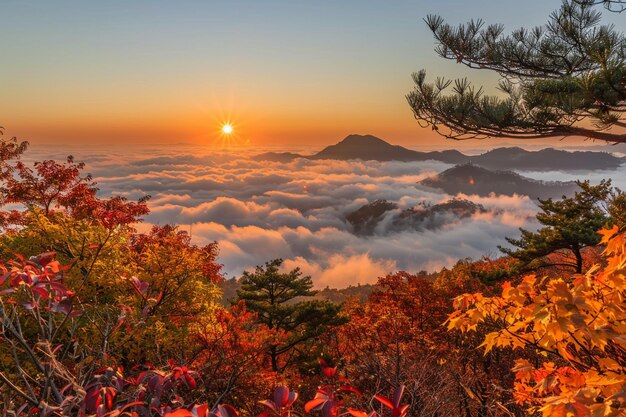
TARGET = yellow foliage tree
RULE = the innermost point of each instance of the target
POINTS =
(577, 323)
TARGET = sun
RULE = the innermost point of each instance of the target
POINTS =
(227, 129)
(228, 134)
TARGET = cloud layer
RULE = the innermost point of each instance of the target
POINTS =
(259, 210)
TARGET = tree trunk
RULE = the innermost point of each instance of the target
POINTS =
(274, 358)
(579, 259)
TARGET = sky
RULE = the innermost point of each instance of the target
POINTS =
(283, 72)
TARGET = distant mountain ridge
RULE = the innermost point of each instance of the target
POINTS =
(368, 147)
(472, 179)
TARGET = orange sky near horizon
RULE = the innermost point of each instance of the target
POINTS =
(285, 73)
(250, 130)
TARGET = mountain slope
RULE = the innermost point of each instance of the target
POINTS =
(545, 159)
(372, 218)
(278, 156)
(472, 179)
(365, 219)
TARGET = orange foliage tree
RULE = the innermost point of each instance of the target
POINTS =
(576, 323)
(397, 338)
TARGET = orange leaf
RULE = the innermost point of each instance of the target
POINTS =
(179, 413)
(314, 403)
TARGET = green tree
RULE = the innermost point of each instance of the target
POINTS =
(617, 208)
(565, 78)
(570, 224)
(280, 300)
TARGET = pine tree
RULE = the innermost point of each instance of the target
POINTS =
(570, 225)
(565, 78)
(612, 5)
(280, 300)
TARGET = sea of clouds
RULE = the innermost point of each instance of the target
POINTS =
(260, 210)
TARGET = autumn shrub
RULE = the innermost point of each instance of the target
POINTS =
(176, 290)
(577, 323)
(45, 370)
(397, 338)
(49, 376)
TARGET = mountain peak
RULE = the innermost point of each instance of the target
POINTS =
(513, 150)
(365, 147)
(355, 139)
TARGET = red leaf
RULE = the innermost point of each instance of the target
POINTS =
(5, 276)
(269, 404)
(281, 395)
(397, 396)
(227, 410)
(329, 372)
(293, 396)
(384, 401)
(64, 307)
(201, 410)
(140, 287)
(109, 395)
(41, 291)
(92, 400)
(44, 258)
(191, 382)
(350, 388)
(330, 409)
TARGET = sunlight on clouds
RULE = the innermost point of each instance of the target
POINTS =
(259, 210)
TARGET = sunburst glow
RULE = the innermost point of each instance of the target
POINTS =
(227, 129)
(229, 133)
